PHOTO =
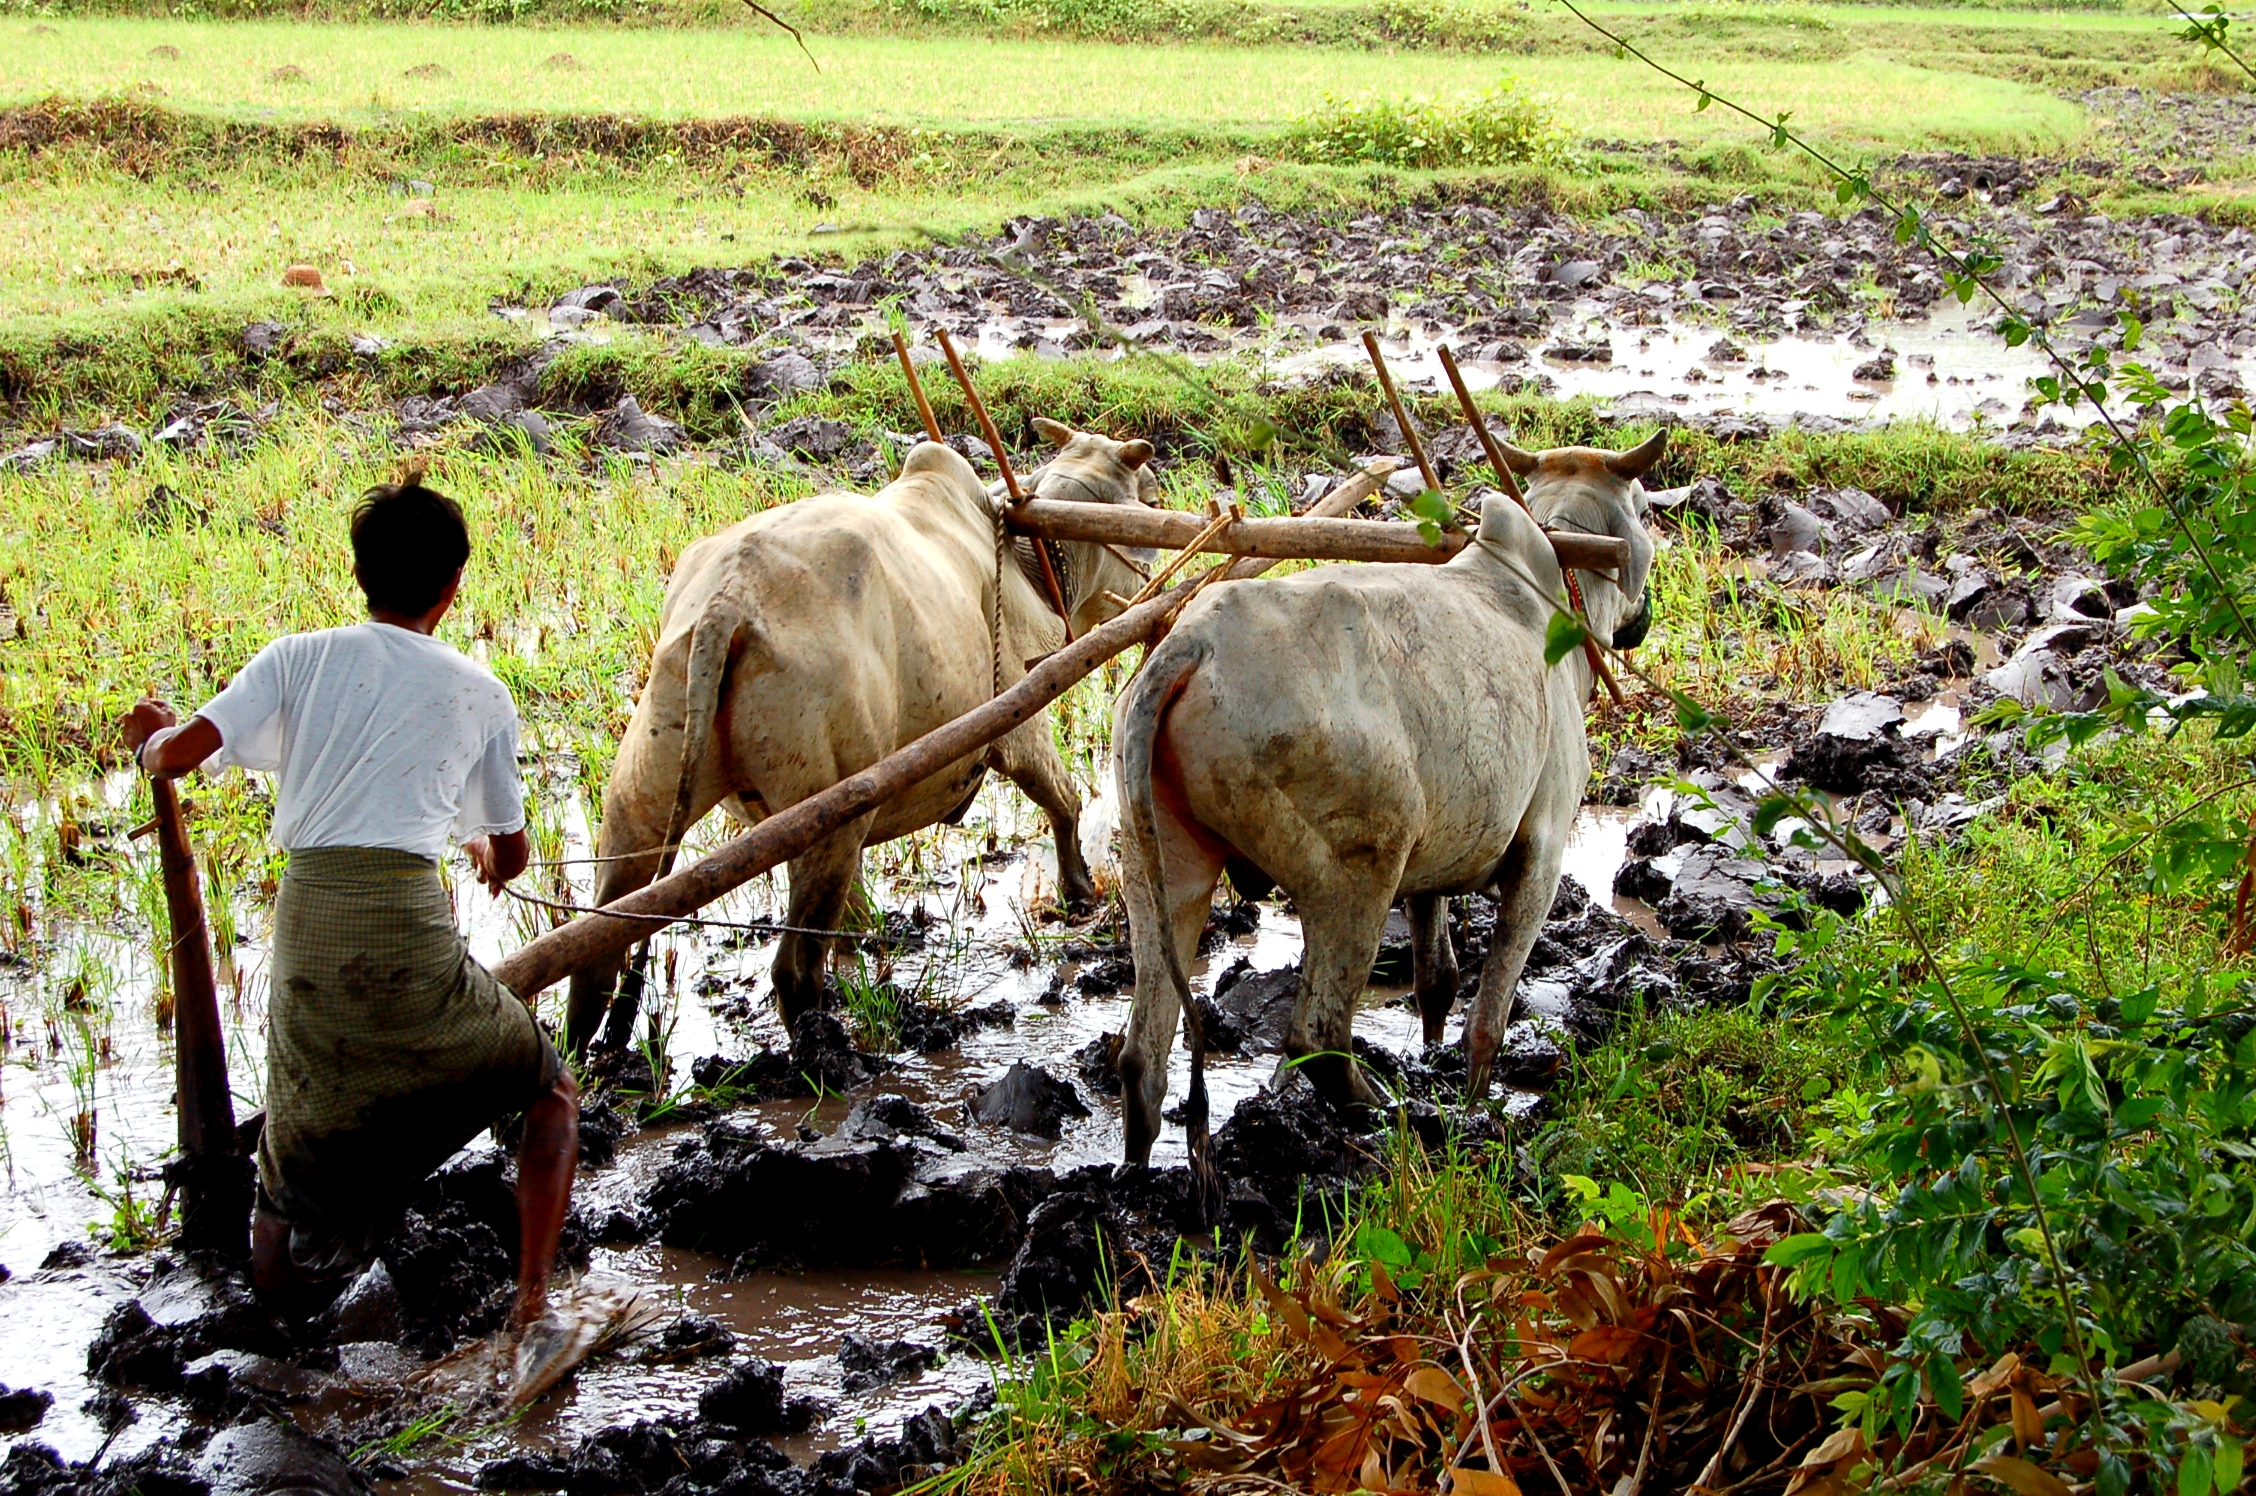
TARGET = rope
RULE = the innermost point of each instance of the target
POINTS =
(757, 926)
(596, 861)
(995, 624)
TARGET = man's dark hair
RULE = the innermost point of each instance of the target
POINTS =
(408, 542)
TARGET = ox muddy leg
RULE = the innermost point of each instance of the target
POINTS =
(1433, 962)
(1343, 940)
(822, 880)
(1176, 912)
(632, 822)
(1029, 759)
(1525, 887)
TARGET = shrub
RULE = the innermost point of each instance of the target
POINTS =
(1504, 126)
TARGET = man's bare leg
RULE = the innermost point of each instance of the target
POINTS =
(271, 1271)
(546, 1160)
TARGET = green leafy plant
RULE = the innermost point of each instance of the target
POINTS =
(1503, 126)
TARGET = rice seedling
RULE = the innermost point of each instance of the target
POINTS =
(873, 1005)
(136, 1223)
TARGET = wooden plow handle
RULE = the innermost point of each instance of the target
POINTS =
(214, 1179)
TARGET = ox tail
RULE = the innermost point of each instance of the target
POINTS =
(711, 645)
(1162, 680)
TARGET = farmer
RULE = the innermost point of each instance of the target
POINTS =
(388, 1047)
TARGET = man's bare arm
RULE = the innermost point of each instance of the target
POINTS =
(165, 747)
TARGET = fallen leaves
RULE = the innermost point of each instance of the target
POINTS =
(1677, 1361)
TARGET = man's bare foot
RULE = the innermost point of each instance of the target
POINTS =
(526, 1312)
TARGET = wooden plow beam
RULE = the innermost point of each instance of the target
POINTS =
(551, 957)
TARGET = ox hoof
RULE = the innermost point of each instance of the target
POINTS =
(1338, 1079)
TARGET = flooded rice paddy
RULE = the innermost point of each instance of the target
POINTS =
(985, 946)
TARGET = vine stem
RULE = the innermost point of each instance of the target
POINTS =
(1861, 185)
(1864, 856)
(2212, 35)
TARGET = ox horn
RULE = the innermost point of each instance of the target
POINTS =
(1518, 461)
(1134, 454)
(1639, 460)
(1056, 433)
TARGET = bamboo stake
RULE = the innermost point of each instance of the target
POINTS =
(916, 389)
(215, 1180)
(1401, 416)
(1511, 483)
(1504, 474)
(592, 937)
(979, 413)
(1002, 461)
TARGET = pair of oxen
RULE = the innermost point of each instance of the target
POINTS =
(1351, 734)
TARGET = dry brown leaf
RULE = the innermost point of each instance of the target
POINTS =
(2028, 1423)
(1611, 1344)
(1466, 1481)
(1434, 1385)
(1996, 1377)
(1288, 1308)
(1577, 1306)
(1838, 1445)
(1596, 1246)
(1382, 1283)
(2021, 1476)
(1327, 1340)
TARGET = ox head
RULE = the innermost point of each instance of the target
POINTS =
(1600, 493)
(1093, 469)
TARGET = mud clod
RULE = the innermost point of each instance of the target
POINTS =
(824, 1053)
(1031, 1100)
(872, 1363)
(1098, 1063)
(1257, 1005)
(1712, 897)
(274, 1457)
(186, 1312)
(751, 1400)
(1070, 1240)
(22, 1407)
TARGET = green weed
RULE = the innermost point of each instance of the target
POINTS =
(1676, 1101)
(1503, 126)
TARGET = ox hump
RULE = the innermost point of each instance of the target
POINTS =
(1508, 534)
(936, 460)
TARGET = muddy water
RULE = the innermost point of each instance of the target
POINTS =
(978, 880)
(1950, 368)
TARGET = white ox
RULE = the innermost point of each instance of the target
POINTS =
(1357, 734)
(807, 642)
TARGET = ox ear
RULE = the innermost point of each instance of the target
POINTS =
(1522, 463)
(1639, 460)
(1134, 454)
(1056, 433)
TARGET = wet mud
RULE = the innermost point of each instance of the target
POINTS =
(855, 1224)
(1738, 317)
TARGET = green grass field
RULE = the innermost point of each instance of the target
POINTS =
(243, 171)
(361, 75)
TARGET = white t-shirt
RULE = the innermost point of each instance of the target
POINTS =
(377, 737)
